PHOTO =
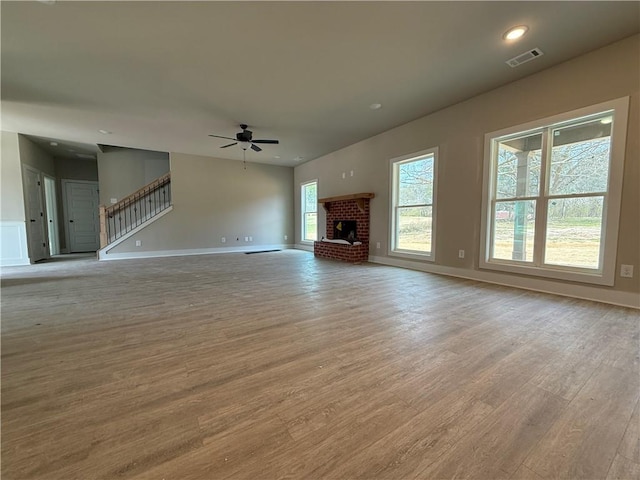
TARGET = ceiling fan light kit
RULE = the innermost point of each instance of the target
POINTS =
(245, 139)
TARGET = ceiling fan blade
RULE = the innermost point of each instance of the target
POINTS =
(229, 145)
(255, 148)
(218, 136)
(272, 142)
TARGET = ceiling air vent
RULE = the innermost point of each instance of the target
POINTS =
(524, 57)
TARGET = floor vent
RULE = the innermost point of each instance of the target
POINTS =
(524, 57)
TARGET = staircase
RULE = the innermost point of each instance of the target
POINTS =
(131, 212)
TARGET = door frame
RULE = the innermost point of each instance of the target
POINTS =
(65, 209)
(52, 206)
(43, 206)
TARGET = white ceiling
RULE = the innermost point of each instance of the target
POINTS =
(164, 75)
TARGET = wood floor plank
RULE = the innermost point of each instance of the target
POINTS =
(280, 365)
(525, 473)
(623, 469)
(496, 384)
(228, 452)
(499, 444)
(362, 421)
(630, 444)
(565, 374)
(421, 440)
(583, 442)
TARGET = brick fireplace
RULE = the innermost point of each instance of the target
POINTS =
(346, 208)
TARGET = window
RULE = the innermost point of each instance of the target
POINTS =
(309, 203)
(413, 205)
(552, 195)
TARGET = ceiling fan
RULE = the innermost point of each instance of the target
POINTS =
(244, 138)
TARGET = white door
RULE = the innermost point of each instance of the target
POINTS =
(36, 227)
(52, 215)
(82, 215)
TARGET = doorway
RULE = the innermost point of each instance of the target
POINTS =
(35, 213)
(51, 206)
(81, 215)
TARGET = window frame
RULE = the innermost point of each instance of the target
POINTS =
(303, 211)
(393, 205)
(605, 275)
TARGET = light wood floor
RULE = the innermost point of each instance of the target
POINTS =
(279, 365)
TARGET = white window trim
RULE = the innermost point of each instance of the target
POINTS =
(429, 257)
(611, 217)
(302, 212)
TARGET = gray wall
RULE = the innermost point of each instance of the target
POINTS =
(11, 191)
(72, 169)
(458, 131)
(34, 156)
(122, 171)
(215, 198)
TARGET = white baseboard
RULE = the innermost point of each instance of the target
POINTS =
(191, 251)
(13, 244)
(302, 246)
(586, 292)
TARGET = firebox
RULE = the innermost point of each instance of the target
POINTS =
(345, 230)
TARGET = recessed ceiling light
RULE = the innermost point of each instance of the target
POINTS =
(53, 144)
(276, 156)
(105, 132)
(375, 106)
(515, 32)
(298, 159)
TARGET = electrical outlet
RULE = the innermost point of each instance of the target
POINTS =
(250, 238)
(377, 244)
(223, 239)
(344, 175)
(286, 237)
(352, 173)
(626, 271)
(460, 253)
(246, 239)
(138, 243)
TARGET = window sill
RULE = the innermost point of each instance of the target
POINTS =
(604, 278)
(424, 257)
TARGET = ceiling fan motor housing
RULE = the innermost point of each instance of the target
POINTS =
(245, 139)
(244, 135)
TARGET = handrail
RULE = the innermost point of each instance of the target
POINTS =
(158, 182)
(134, 209)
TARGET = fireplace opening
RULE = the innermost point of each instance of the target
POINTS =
(345, 230)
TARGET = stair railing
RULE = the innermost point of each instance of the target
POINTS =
(132, 211)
